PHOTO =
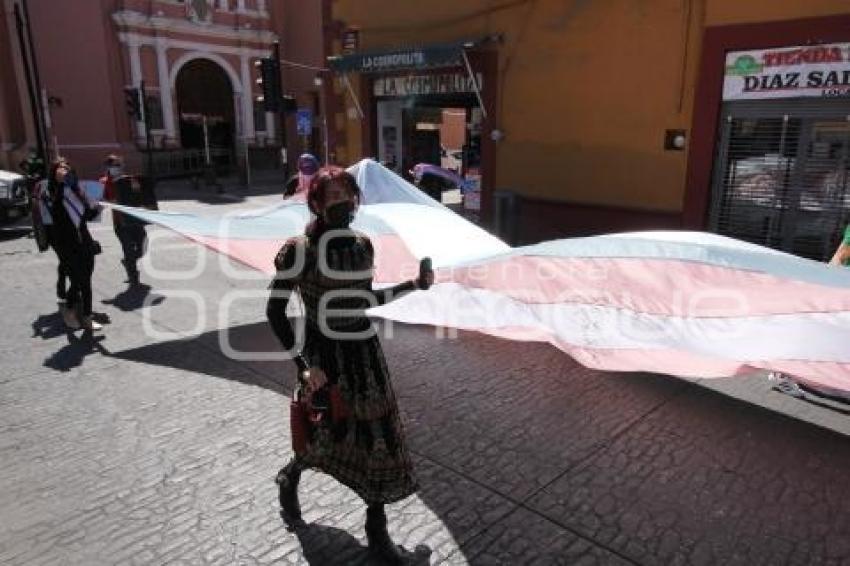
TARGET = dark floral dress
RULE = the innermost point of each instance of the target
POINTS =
(366, 450)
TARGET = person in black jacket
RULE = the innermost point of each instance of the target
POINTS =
(70, 209)
(128, 190)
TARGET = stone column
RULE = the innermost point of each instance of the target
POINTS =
(165, 94)
(248, 129)
(136, 77)
(270, 125)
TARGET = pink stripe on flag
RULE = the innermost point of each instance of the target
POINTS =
(394, 262)
(257, 254)
(654, 286)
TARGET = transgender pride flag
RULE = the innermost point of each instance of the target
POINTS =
(681, 303)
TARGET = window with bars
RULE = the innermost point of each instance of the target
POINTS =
(781, 178)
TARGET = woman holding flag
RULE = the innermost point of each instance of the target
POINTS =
(346, 423)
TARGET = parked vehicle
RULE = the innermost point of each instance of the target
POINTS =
(14, 197)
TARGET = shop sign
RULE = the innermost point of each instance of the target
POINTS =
(304, 121)
(812, 71)
(418, 85)
(443, 55)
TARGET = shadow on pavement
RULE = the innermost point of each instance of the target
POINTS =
(618, 463)
(48, 326)
(133, 298)
(329, 546)
(74, 352)
(203, 354)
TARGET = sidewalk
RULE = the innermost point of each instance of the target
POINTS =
(227, 189)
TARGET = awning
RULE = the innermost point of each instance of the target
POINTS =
(409, 58)
(406, 58)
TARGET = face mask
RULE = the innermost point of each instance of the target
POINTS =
(304, 181)
(114, 172)
(70, 179)
(339, 215)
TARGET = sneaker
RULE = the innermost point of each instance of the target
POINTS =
(786, 385)
(69, 316)
(90, 324)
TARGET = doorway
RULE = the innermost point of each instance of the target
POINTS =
(204, 94)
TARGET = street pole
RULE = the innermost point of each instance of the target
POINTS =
(247, 164)
(28, 73)
(147, 122)
(319, 82)
(37, 79)
(280, 113)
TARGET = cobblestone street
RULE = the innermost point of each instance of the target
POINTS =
(148, 445)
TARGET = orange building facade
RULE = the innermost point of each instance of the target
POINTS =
(600, 116)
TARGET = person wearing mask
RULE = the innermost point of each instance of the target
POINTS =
(299, 183)
(42, 221)
(122, 188)
(68, 209)
(355, 433)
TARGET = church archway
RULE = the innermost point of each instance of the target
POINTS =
(204, 92)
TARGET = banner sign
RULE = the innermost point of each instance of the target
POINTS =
(304, 121)
(415, 85)
(793, 72)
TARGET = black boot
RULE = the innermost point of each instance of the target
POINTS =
(132, 271)
(287, 481)
(380, 544)
(133, 278)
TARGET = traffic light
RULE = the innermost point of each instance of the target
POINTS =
(133, 102)
(270, 82)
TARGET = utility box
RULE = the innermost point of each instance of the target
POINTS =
(506, 215)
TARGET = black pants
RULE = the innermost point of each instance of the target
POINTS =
(80, 294)
(61, 271)
(61, 283)
(77, 261)
(132, 237)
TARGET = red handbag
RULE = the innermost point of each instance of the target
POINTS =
(299, 424)
(339, 410)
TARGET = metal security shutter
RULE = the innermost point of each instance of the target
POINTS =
(781, 174)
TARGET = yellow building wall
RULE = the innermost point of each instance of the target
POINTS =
(726, 12)
(586, 88)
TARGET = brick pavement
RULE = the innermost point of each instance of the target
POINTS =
(130, 450)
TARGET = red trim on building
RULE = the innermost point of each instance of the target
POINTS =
(540, 220)
(708, 100)
(487, 63)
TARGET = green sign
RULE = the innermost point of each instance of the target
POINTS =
(744, 65)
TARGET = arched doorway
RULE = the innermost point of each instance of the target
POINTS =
(204, 90)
